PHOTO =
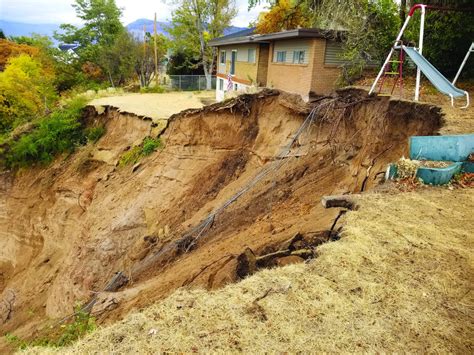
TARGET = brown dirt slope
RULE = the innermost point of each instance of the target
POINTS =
(67, 229)
(400, 279)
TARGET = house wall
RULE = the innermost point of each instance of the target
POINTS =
(289, 46)
(325, 71)
(295, 78)
(262, 70)
(313, 76)
(244, 70)
(316, 74)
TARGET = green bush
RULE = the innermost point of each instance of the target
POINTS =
(150, 145)
(60, 132)
(152, 90)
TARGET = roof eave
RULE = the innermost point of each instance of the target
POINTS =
(266, 38)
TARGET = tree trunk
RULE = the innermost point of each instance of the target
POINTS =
(403, 9)
(208, 79)
(110, 79)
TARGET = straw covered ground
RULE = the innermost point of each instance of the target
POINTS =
(399, 279)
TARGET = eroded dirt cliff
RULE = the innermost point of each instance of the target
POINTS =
(67, 229)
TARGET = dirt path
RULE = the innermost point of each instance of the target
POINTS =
(156, 106)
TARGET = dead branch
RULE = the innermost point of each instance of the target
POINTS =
(344, 201)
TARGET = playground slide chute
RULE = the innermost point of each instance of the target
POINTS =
(434, 76)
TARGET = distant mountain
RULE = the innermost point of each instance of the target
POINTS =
(136, 27)
(232, 29)
(26, 29)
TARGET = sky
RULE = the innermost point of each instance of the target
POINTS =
(61, 11)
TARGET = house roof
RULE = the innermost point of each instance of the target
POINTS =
(249, 36)
(68, 46)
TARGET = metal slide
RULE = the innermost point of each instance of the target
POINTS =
(434, 76)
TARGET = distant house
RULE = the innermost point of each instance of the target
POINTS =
(70, 49)
(302, 61)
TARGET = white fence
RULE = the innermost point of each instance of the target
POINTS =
(187, 82)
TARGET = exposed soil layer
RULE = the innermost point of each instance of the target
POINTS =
(67, 229)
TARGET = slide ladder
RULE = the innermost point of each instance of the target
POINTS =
(393, 70)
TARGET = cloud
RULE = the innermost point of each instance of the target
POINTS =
(61, 11)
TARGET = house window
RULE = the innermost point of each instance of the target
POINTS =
(251, 55)
(298, 57)
(221, 84)
(222, 58)
(233, 59)
(281, 56)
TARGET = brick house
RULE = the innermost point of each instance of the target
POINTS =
(302, 61)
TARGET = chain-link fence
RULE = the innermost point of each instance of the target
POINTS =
(187, 82)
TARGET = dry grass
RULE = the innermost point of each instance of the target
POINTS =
(400, 279)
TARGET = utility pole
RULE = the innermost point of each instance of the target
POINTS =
(156, 52)
(143, 64)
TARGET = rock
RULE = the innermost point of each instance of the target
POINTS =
(136, 166)
(289, 260)
(246, 263)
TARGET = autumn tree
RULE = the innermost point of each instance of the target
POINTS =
(195, 23)
(26, 91)
(10, 49)
(284, 15)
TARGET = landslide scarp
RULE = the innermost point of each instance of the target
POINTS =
(66, 230)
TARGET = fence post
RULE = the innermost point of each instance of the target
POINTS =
(199, 83)
(180, 82)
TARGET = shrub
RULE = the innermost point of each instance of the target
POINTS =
(150, 145)
(58, 133)
(26, 91)
(152, 90)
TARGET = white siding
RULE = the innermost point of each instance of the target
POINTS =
(290, 47)
(236, 87)
(243, 52)
(242, 55)
(332, 55)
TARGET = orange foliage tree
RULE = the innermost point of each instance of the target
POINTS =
(11, 49)
(285, 15)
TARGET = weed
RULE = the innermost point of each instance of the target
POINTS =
(83, 323)
(133, 155)
(93, 134)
